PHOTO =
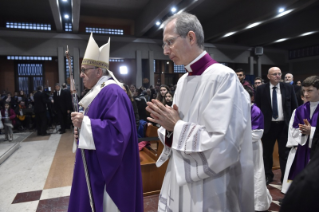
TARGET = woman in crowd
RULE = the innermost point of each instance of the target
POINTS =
(23, 97)
(8, 120)
(169, 98)
(31, 99)
(129, 94)
(161, 95)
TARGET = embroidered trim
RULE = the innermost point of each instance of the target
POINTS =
(189, 134)
(181, 139)
(96, 63)
(207, 170)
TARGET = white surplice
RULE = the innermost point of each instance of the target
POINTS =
(211, 159)
(294, 138)
(261, 193)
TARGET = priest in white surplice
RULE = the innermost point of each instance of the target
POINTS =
(207, 132)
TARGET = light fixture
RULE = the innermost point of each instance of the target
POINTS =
(281, 40)
(64, 0)
(158, 23)
(167, 63)
(283, 13)
(123, 70)
(173, 10)
(307, 33)
(253, 25)
(281, 9)
(66, 16)
(229, 34)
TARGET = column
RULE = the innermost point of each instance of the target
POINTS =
(61, 65)
(138, 58)
(251, 65)
(151, 67)
(76, 66)
(259, 66)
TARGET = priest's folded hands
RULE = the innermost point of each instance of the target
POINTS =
(165, 116)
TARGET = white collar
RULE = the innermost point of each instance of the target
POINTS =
(314, 104)
(90, 96)
(188, 67)
(271, 86)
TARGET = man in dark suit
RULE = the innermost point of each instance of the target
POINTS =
(277, 101)
(62, 105)
(40, 101)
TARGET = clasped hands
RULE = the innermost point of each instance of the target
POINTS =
(165, 116)
(305, 128)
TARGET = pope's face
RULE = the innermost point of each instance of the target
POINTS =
(175, 46)
(90, 75)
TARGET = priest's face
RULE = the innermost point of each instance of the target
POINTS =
(90, 75)
(175, 46)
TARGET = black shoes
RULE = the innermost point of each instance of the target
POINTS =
(268, 180)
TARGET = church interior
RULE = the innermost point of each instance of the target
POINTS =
(36, 171)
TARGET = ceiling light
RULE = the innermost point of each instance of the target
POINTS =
(123, 70)
(283, 13)
(167, 63)
(173, 9)
(281, 40)
(253, 25)
(307, 33)
(158, 23)
(66, 16)
(229, 34)
(281, 9)
(65, 0)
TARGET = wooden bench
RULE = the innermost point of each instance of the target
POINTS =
(152, 176)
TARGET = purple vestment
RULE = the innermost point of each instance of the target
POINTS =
(257, 118)
(303, 152)
(115, 163)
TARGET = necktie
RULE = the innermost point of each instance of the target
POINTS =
(274, 103)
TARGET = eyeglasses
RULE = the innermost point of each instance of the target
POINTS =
(275, 74)
(169, 43)
(84, 70)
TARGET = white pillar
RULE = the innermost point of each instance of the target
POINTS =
(61, 65)
(251, 65)
(151, 66)
(138, 58)
(76, 66)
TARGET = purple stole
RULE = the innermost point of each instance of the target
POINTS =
(303, 152)
(197, 69)
(257, 118)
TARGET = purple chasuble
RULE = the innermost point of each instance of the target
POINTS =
(302, 156)
(257, 118)
(197, 69)
(115, 164)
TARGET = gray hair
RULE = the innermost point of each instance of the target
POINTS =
(105, 71)
(186, 22)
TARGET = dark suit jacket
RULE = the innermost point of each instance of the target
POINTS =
(315, 141)
(262, 100)
(39, 102)
(63, 102)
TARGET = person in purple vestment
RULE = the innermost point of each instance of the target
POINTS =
(108, 134)
(262, 197)
(304, 125)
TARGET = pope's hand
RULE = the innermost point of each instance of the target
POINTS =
(165, 116)
(77, 119)
(76, 134)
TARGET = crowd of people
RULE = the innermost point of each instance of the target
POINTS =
(39, 110)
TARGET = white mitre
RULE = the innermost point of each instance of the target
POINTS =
(96, 56)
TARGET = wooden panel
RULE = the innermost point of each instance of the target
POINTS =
(275, 155)
(152, 176)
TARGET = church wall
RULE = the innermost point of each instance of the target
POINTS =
(7, 75)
